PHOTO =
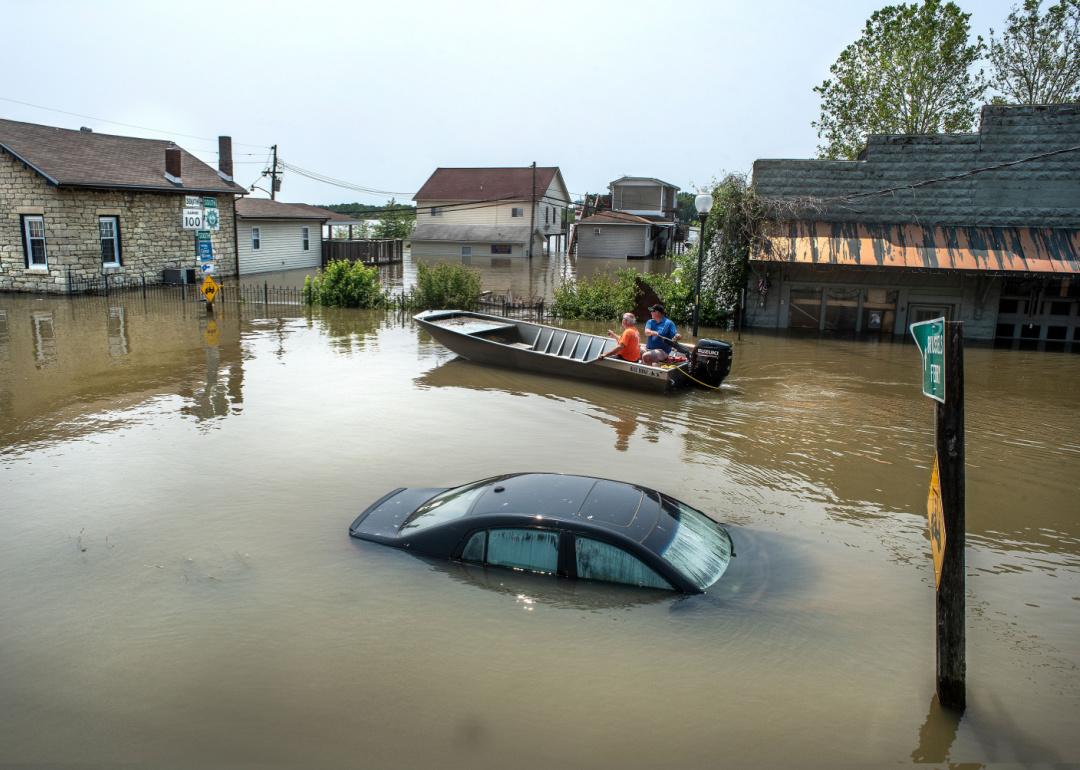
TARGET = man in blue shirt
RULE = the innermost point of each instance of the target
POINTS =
(657, 328)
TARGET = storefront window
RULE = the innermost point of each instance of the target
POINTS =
(879, 310)
(805, 309)
(841, 310)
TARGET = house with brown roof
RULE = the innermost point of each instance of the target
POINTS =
(271, 235)
(639, 225)
(982, 228)
(76, 206)
(468, 213)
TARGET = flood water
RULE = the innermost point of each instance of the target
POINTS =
(177, 586)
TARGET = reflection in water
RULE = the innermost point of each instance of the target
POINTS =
(44, 338)
(117, 331)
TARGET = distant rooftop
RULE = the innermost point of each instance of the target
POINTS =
(476, 184)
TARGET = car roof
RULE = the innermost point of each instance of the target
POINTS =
(629, 510)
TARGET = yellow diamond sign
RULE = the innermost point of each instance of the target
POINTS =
(936, 516)
(209, 289)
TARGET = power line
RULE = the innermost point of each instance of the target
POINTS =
(118, 123)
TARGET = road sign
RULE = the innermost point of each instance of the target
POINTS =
(935, 514)
(211, 218)
(930, 338)
(209, 203)
(207, 268)
(209, 289)
(205, 250)
(192, 219)
(192, 202)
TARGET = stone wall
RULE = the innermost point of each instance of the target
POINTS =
(150, 234)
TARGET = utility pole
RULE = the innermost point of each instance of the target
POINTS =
(273, 175)
(532, 210)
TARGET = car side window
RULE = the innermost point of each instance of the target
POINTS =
(600, 561)
(474, 549)
(535, 550)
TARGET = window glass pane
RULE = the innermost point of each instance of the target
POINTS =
(501, 248)
(37, 228)
(474, 549)
(805, 309)
(841, 309)
(699, 547)
(531, 549)
(37, 252)
(451, 504)
(600, 561)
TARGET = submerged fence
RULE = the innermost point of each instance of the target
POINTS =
(254, 294)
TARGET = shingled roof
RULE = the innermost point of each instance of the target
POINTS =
(1044, 192)
(615, 218)
(264, 208)
(482, 184)
(67, 158)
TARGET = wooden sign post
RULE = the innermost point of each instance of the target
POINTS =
(942, 346)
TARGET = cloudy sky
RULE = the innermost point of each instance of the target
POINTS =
(380, 93)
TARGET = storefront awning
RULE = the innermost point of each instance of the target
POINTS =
(1014, 249)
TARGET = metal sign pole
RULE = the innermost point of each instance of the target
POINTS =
(950, 604)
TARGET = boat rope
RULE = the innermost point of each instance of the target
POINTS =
(699, 382)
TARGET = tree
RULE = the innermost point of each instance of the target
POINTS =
(1037, 58)
(911, 72)
(396, 222)
(684, 208)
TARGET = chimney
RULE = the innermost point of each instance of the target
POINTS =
(224, 154)
(172, 164)
(86, 130)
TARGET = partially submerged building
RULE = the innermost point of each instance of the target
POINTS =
(983, 228)
(500, 212)
(77, 206)
(641, 222)
(272, 235)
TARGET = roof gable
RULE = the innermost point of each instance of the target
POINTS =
(483, 184)
(264, 208)
(86, 159)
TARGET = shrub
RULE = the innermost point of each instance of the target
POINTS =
(601, 297)
(345, 284)
(445, 286)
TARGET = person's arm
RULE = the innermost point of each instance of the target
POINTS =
(613, 352)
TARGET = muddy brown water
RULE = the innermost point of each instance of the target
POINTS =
(177, 587)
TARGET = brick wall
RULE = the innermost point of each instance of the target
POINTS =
(150, 232)
(1043, 193)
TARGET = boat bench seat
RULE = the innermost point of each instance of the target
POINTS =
(568, 344)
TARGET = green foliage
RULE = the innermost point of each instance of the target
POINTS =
(1037, 58)
(445, 285)
(685, 212)
(358, 210)
(735, 227)
(345, 284)
(605, 296)
(396, 222)
(911, 72)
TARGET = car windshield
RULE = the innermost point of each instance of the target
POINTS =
(700, 548)
(451, 504)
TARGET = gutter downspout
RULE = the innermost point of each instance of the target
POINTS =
(532, 212)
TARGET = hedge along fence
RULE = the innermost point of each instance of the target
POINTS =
(352, 284)
(603, 297)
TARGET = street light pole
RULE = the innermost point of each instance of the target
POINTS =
(703, 203)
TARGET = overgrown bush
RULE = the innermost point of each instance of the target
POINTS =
(604, 297)
(601, 297)
(345, 284)
(446, 286)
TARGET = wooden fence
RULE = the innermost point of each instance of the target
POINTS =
(370, 252)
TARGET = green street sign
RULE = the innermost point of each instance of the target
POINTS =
(209, 203)
(930, 339)
(202, 235)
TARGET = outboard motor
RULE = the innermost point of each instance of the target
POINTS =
(711, 361)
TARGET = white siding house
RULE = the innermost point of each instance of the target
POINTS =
(277, 236)
(509, 212)
(614, 235)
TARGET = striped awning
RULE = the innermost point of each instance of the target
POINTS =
(1013, 249)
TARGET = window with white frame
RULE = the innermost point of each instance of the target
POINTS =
(307, 238)
(516, 212)
(256, 240)
(109, 235)
(596, 231)
(466, 251)
(34, 242)
(436, 211)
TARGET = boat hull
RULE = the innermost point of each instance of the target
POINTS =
(484, 350)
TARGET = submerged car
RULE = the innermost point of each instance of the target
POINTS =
(571, 526)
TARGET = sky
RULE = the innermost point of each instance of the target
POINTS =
(379, 94)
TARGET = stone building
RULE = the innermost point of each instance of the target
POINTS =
(76, 206)
(982, 228)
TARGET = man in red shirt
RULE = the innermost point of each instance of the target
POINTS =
(629, 347)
